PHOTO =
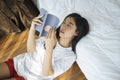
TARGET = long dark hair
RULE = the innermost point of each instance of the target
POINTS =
(82, 28)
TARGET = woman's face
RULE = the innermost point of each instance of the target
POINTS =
(68, 28)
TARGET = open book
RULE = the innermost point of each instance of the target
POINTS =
(49, 21)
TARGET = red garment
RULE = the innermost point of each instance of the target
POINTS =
(13, 73)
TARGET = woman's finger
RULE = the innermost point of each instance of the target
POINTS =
(36, 20)
(50, 33)
(40, 16)
(53, 32)
(36, 23)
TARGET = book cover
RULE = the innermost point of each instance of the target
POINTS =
(49, 21)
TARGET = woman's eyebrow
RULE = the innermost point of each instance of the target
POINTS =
(71, 23)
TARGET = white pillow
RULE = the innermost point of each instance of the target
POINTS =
(98, 59)
(98, 54)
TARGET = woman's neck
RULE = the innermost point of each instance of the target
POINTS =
(64, 42)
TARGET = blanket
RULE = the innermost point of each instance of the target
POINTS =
(16, 15)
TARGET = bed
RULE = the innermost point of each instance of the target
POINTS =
(98, 54)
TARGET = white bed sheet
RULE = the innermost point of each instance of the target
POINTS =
(98, 54)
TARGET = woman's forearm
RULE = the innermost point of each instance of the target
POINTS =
(31, 41)
(31, 45)
(47, 63)
(50, 41)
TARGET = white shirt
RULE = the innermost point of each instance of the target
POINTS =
(29, 65)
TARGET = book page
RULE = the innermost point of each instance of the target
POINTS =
(51, 21)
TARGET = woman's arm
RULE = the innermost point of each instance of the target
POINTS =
(31, 45)
(50, 41)
(47, 63)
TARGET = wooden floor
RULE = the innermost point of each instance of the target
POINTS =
(15, 43)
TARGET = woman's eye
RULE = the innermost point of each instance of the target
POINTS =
(69, 25)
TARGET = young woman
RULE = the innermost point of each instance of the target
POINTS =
(49, 56)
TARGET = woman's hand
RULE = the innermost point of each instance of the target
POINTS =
(50, 39)
(36, 21)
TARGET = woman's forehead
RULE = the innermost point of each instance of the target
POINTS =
(70, 20)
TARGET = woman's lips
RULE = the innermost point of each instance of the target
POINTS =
(61, 31)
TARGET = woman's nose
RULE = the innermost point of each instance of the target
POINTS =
(65, 26)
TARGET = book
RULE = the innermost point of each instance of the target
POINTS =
(49, 21)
